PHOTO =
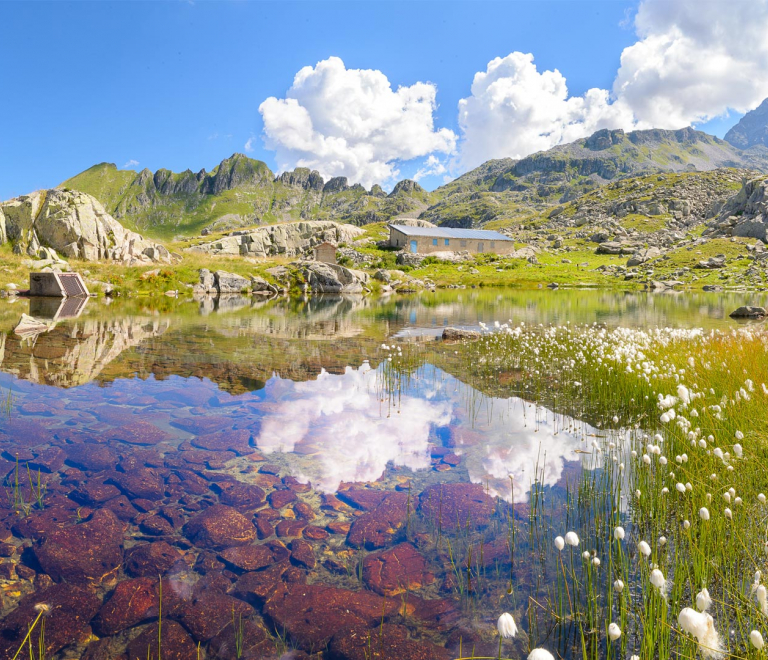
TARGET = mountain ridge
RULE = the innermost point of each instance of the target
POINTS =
(241, 191)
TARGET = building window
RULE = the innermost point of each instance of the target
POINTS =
(447, 241)
(434, 241)
(463, 244)
(493, 244)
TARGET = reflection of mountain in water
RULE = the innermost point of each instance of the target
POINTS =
(75, 353)
(313, 319)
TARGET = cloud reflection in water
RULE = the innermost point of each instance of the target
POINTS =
(336, 429)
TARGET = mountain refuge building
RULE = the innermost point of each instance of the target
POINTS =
(325, 253)
(423, 240)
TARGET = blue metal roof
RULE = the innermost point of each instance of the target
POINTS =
(450, 232)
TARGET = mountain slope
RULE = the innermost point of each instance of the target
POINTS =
(515, 190)
(752, 129)
(240, 191)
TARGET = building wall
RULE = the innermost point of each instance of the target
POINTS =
(326, 254)
(426, 244)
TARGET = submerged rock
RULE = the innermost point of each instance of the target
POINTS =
(71, 608)
(455, 505)
(378, 527)
(382, 643)
(220, 526)
(175, 643)
(396, 570)
(312, 614)
(87, 552)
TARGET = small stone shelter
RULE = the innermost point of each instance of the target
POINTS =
(424, 240)
(325, 253)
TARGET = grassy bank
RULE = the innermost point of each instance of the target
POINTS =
(670, 513)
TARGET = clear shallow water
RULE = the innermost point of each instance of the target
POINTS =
(139, 416)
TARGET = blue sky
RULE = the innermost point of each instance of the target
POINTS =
(179, 84)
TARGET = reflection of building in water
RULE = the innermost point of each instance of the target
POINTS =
(67, 355)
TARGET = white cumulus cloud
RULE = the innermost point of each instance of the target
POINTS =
(249, 144)
(515, 110)
(692, 62)
(131, 163)
(350, 122)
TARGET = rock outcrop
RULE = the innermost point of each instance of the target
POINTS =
(332, 278)
(291, 239)
(75, 225)
(744, 214)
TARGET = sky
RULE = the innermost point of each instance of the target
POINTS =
(375, 91)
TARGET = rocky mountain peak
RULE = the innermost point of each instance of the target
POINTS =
(603, 139)
(336, 184)
(302, 177)
(751, 130)
(407, 187)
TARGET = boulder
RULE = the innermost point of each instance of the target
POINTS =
(748, 312)
(457, 334)
(713, 262)
(260, 286)
(641, 256)
(454, 506)
(411, 259)
(332, 278)
(230, 282)
(615, 247)
(73, 224)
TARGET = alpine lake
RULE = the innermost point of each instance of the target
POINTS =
(316, 478)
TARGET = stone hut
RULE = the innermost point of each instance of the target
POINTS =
(325, 253)
(424, 240)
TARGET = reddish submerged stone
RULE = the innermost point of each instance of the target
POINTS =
(378, 527)
(175, 642)
(71, 608)
(151, 559)
(84, 553)
(455, 505)
(255, 557)
(220, 526)
(312, 614)
(132, 602)
(396, 570)
(383, 643)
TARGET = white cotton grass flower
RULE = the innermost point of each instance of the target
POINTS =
(618, 586)
(506, 626)
(727, 497)
(756, 639)
(728, 514)
(572, 539)
(739, 435)
(42, 608)
(540, 654)
(586, 555)
(559, 542)
(761, 498)
(644, 549)
(738, 450)
(704, 513)
(703, 600)
(614, 632)
(618, 533)
(762, 598)
(701, 626)
(686, 524)
(662, 541)
(659, 581)
(680, 487)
